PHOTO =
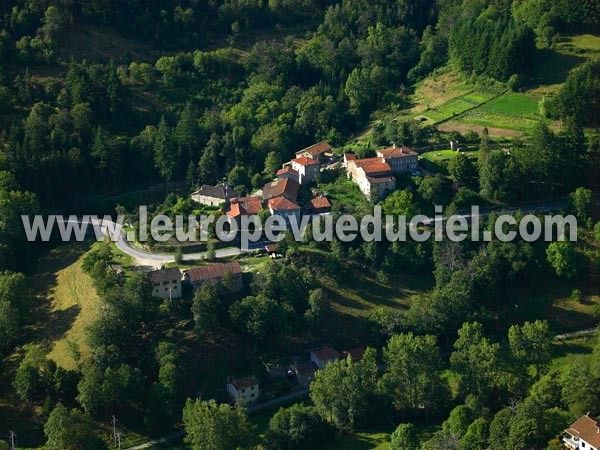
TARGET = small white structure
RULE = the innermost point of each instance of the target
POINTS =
(583, 434)
(243, 390)
(324, 356)
(166, 282)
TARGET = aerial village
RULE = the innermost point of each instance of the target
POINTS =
(374, 177)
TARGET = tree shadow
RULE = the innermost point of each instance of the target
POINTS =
(45, 324)
(551, 67)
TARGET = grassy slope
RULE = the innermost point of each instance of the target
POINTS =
(445, 97)
(67, 301)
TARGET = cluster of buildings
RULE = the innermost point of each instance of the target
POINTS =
(375, 176)
(280, 196)
(167, 282)
(246, 390)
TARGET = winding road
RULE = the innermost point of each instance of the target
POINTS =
(152, 259)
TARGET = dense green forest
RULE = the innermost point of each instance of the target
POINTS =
(194, 100)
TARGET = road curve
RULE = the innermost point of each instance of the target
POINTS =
(148, 258)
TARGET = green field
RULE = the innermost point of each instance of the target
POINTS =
(437, 161)
(446, 97)
(65, 291)
(572, 349)
(456, 106)
(513, 104)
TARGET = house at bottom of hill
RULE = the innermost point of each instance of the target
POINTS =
(583, 434)
(324, 356)
(243, 390)
(166, 282)
(215, 273)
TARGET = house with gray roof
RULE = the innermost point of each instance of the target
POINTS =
(214, 195)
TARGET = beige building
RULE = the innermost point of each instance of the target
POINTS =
(214, 195)
(372, 175)
(243, 390)
(324, 356)
(316, 151)
(166, 282)
(401, 159)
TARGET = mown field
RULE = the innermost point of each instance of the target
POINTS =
(447, 99)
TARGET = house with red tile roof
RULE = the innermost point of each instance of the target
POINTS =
(316, 151)
(401, 159)
(324, 356)
(372, 175)
(308, 169)
(243, 206)
(243, 391)
(319, 205)
(214, 274)
(583, 434)
(356, 353)
(349, 157)
(286, 187)
(288, 172)
(284, 207)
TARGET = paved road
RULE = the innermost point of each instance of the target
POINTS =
(147, 258)
(576, 333)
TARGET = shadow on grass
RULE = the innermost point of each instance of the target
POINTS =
(48, 325)
(551, 67)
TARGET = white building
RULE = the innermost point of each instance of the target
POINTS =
(166, 282)
(584, 434)
(243, 390)
(308, 169)
(324, 356)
